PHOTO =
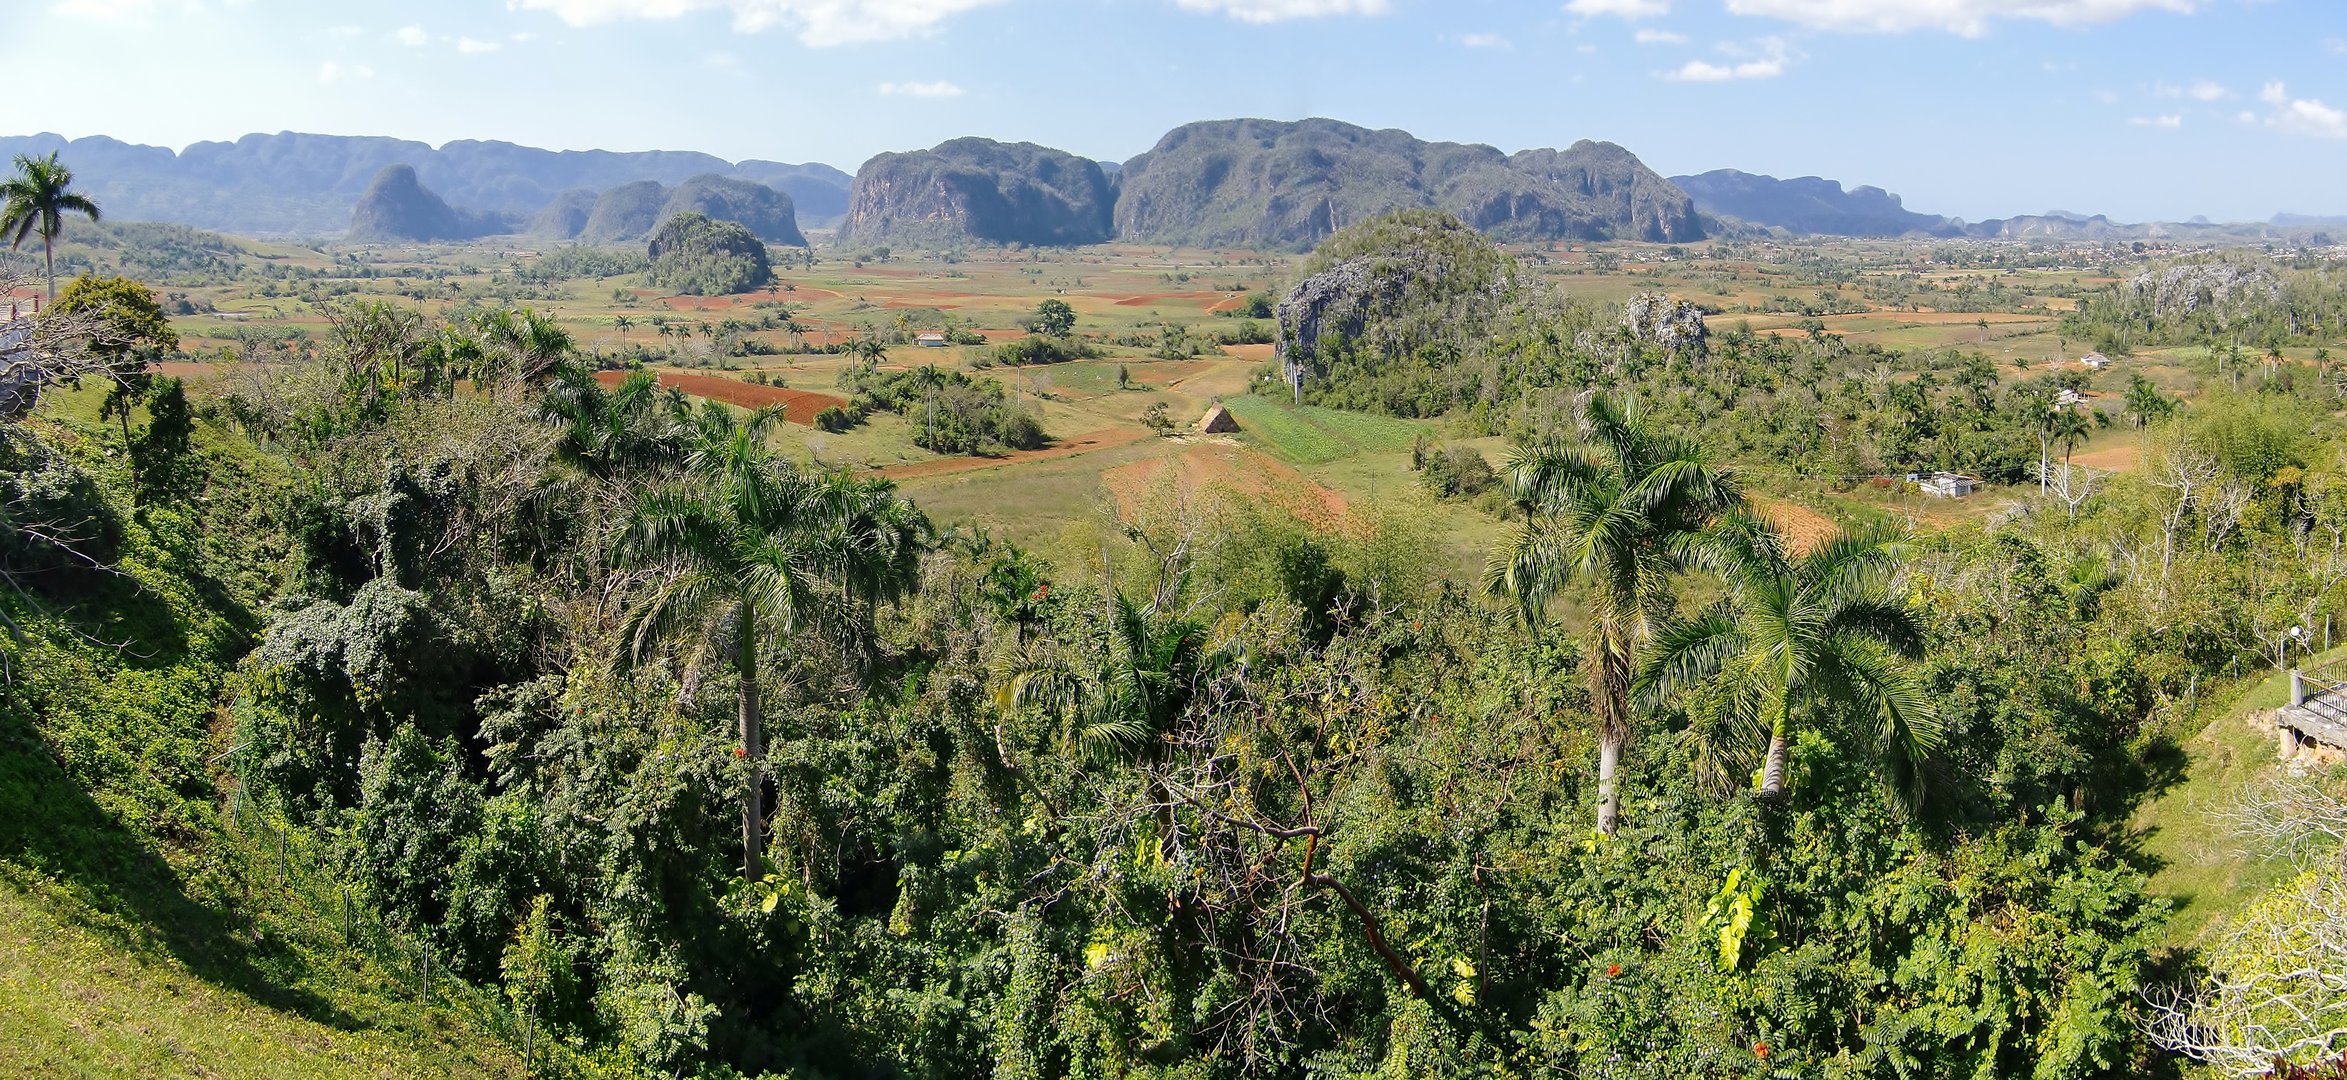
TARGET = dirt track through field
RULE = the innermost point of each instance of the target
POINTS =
(798, 406)
(1212, 463)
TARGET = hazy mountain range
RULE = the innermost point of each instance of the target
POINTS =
(1243, 183)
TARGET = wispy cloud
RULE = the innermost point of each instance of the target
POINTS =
(2197, 90)
(1620, 9)
(475, 45)
(937, 89)
(1970, 18)
(818, 23)
(413, 37)
(1484, 41)
(2299, 116)
(1271, 11)
(1766, 60)
(331, 72)
(1659, 37)
(2171, 121)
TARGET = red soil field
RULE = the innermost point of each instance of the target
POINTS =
(798, 406)
(1804, 528)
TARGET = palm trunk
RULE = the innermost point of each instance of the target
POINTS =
(1772, 776)
(1611, 699)
(754, 750)
(49, 261)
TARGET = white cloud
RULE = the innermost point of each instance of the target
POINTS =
(818, 23)
(1660, 37)
(1969, 18)
(1766, 61)
(413, 37)
(1620, 9)
(2337, 46)
(938, 89)
(344, 33)
(1484, 41)
(2171, 121)
(330, 73)
(474, 45)
(1267, 11)
(2197, 90)
(2299, 116)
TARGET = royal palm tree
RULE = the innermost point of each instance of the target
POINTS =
(629, 428)
(1818, 641)
(35, 201)
(1612, 511)
(875, 541)
(529, 343)
(740, 544)
(2070, 428)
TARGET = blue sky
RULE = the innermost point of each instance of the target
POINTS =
(2142, 109)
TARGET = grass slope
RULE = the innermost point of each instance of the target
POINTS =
(2208, 871)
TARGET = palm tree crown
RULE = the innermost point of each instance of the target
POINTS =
(1612, 510)
(1817, 640)
(35, 201)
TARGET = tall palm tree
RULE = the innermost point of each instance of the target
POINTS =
(35, 202)
(1815, 641)
(627, 429)
(531, 343)
(875, 541)
(740, 544)
(2070, 427)
(1612, 511)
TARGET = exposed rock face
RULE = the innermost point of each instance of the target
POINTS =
(980, 189)
(626, 212)
(1266, 183)
(398, 208)
(1391, 285)
(1674, 326)
(2186, 288)
(1810, 205)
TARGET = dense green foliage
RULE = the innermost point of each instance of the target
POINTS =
(698, 256)
(705, 763)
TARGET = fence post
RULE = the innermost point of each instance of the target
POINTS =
(2297, 689)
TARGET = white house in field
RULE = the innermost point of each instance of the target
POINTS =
(2095, 361)
(1948, 485)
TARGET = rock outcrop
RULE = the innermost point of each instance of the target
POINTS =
(699, 256)
(626, 212)
(566, 217)
(979, 189)
(398, 208)
(2188, 287)
(1268, 183)
(1674, 326)
(1391, 285)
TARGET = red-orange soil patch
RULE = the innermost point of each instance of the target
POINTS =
(1081, 444)
(1804, 529)
(798, 406)
(2111, 459)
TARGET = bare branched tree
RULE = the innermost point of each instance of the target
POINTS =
(2276, 987)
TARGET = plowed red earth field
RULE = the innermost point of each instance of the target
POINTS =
(798, 406)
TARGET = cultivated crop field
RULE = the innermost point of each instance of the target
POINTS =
(1162, 323)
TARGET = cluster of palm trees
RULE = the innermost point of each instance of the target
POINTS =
(1818, 640)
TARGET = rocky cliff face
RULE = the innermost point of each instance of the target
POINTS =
(1810, 205)
(979, 189)
(397, 207)
(1266, 183)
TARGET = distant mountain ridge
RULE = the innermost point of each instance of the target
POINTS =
(397, 207)
(1814, 206)
(980, 189)
(291, 183)
(1271, 183)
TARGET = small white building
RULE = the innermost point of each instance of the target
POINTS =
(2067, 398)
(930, 339)
(2095, 361)
(1948, 485)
